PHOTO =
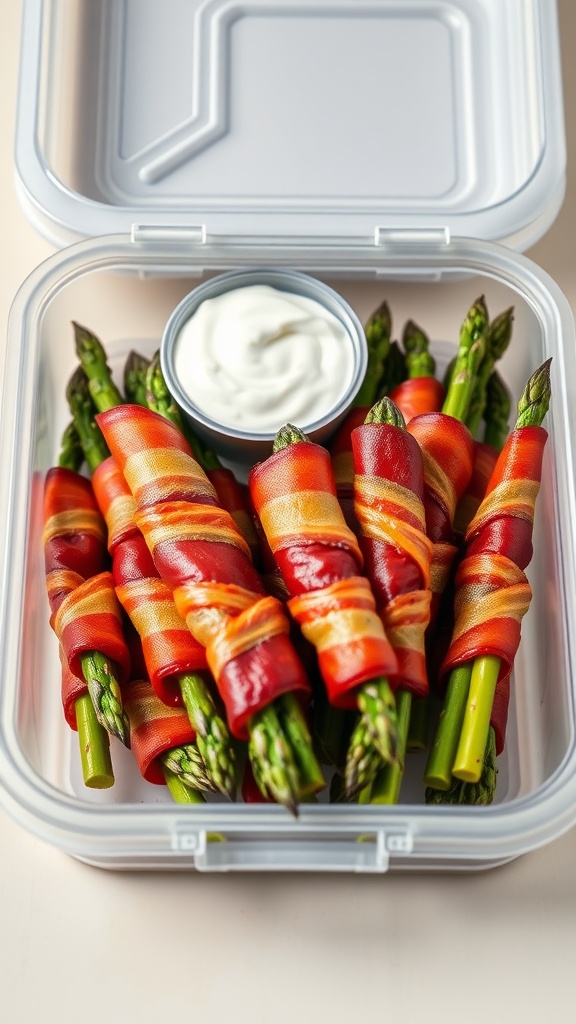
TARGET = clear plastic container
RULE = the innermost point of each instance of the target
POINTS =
(166, 239)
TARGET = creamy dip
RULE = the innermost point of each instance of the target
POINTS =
(255, 358)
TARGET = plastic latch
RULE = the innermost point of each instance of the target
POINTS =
(367, 853)
(432, 237)
(193, 234)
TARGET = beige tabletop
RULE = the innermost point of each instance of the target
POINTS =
(80, 944)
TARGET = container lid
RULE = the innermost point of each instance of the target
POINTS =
(251, 119)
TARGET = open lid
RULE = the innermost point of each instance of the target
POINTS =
(333, 119)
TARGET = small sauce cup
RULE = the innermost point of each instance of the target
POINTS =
(250, 446)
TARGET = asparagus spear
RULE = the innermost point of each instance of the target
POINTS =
(497, 341)
(464, 738)
(386, 784)
(182, 761)
(377, 331)
(93, 360)
(135, 369)
(93, 741)
(468, 360)
(330, 723)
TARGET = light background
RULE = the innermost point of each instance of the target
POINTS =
(79, 944)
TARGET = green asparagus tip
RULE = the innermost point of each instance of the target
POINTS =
(413, 338)
(419, 361)
(475, 323)
(88, 346)
(380, 321)
(135, 369)
(287, 435)
(385, 411)
(500, 333)
(535, 400)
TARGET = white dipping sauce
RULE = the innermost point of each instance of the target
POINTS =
(255, 358)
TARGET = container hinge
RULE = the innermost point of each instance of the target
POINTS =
(394, 237)
(193, 234)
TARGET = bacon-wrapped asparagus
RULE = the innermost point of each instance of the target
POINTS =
(79, 712)
(174, 659)
(85, 614)
(492, 597)
(389, 492)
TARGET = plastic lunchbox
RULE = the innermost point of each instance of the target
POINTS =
(397, 150)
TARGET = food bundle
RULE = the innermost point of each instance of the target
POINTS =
(309, 631)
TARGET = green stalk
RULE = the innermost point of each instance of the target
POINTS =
(135, 369)
(419, 727)
(93, 360)
(94, 746)
(377, 331)
(438, 772)
(497, 341)
(473, 737)
(181, 793)
(471, 794)
(468, 360)
(82, 408)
